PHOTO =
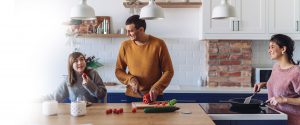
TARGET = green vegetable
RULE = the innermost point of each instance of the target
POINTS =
(161, 109)
(172, 102)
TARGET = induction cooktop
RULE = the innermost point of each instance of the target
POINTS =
(225, 108)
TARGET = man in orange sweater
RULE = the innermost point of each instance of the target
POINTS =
(149, 64)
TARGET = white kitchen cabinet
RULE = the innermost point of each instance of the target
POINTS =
(212, 25)
(284, 16)
(250, 17)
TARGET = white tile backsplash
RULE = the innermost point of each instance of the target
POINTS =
(188, 57)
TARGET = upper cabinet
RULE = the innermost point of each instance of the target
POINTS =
(284, 16)
(212, 25)
(255, 19)
(251, 16)
(247, 20)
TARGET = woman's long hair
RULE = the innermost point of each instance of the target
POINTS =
(284, 40)
(71, 72)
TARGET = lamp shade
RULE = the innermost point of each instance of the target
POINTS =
(222, 11)
(82, 11)
(152, 11)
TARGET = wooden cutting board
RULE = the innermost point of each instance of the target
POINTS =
(141, 105)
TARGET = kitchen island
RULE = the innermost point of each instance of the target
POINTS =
(189, 114)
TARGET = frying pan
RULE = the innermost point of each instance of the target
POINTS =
(238, 104)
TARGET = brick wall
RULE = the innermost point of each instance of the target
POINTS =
(229, 63)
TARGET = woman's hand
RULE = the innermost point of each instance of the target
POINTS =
(85, 79)
(277, 100)
(258, 86)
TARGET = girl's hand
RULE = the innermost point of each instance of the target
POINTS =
(85, 79)
(258, 86)
(277, 100)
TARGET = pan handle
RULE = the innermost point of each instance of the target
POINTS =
(264, 104)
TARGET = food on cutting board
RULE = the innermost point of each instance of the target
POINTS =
(146, 98)
(172, 102)
(161, 109)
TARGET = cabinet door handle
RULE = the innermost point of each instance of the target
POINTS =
(297, 25)
(238, 25)
(233, 25)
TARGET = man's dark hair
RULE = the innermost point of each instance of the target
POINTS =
(138, 23)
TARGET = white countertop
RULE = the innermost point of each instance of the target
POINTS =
(192, 89)
(280, 116)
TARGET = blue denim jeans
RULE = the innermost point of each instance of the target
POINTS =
(133, 99)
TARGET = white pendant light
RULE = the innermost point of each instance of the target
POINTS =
(152, 11)
(82, 11)
(222, 11)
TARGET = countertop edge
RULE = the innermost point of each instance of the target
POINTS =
(231, 90)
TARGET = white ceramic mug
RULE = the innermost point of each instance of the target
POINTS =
(78, 108)
(50, 107)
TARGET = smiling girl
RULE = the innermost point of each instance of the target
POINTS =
(81, 82)
(284, 83)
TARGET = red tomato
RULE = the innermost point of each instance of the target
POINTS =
(121, 110)
(84, 75)
(146, 98)
(115, 110)
(133, 110)
(108, 111)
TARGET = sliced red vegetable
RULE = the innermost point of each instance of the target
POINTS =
(146, 98)
(164, 103)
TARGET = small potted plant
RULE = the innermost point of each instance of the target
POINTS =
(93, 62)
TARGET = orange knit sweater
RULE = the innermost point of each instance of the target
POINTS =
(150, 64)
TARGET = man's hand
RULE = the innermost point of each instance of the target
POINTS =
(134, 84)
(153, 94)
(277, 100)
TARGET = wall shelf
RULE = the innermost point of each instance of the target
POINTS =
(167, 4)
(100, 35)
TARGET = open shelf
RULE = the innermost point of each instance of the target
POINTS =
(93, 35)
(168, 4)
